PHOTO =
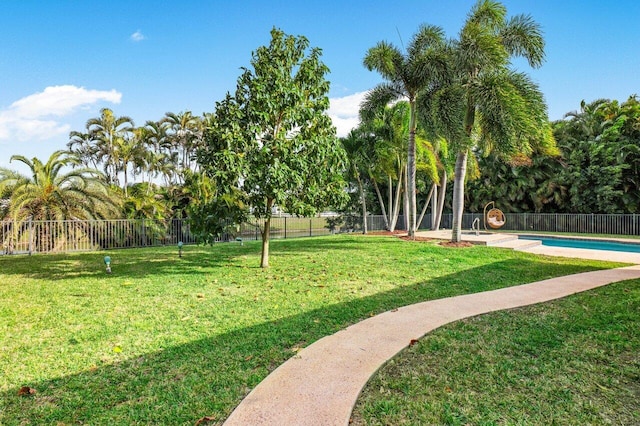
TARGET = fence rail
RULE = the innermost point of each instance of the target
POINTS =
(611, 224)
(74, 235)
(66, 236)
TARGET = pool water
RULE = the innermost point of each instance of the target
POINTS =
(584, 244)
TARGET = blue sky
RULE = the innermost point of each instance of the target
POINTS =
(63, 60)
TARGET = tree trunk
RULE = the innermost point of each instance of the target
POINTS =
(458, 196)
(266, 231)
(363, 200)
(405, 199)
(434, 207)
(396, 203)
(264, 260)
(381, 201)
(126, 179)
(411, 166)
(424, 209)
(443, 191)
(390, 201)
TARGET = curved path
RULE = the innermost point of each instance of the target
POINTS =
(320, 385)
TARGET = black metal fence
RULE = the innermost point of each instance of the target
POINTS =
(611, 224)
(76, 235)
(66, 236)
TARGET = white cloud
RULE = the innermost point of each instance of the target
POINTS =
(137, 36)
(344, 112)
(37, 116)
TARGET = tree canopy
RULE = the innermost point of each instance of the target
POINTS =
(272, 139)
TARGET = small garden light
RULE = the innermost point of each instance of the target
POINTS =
(238, 239)
(180, 244)
(107, 261)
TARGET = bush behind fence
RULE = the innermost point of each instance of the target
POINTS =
(65, 236)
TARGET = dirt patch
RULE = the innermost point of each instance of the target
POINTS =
(403, 236)
(458, 244)
(396, 232)
(408, 238)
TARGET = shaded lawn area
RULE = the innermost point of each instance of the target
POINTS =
(574, 361)
(168, 340)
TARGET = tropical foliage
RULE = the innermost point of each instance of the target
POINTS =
(447, 109)
(483, 104)
(407, 75)
(597, 171)
(54, 192)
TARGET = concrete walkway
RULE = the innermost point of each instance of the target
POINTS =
(320, 385)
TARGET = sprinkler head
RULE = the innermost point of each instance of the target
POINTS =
(107, 261)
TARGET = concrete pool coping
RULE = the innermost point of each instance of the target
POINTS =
(504, 240)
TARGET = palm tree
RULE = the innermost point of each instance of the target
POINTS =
(407, 75)
(484, 103)
(355, 145)
(387, 128)
(107, 131)
(131, 150)
(51, 194)
(84, 147)
(184, 130)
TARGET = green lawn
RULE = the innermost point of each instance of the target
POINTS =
(574, 361)
(168, 340)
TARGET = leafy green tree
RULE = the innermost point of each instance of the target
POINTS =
(273, 139)
(484, 103)
(601, 149)
(407, 75)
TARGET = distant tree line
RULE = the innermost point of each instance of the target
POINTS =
(449, 110)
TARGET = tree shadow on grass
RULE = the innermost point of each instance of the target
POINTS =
(143, 262)
(209, 377)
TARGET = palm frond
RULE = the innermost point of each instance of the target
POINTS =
(522, 37)
(386, 59)
(378, 98)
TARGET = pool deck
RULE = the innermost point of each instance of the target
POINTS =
(510, 241)
(321, 383)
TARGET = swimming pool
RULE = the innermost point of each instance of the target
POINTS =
(584, 243)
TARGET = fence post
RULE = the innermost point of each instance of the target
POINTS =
(285, 227)
(30, 236)
(310, 232)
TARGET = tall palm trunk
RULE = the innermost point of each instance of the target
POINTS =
(458, 195)
(461, 170)
(396, 202)
(426, 204)
(381, 201)
(434, 207)
(405, 199)
(126, 179)
(443, 191)
(363, 201)
(411, 166)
